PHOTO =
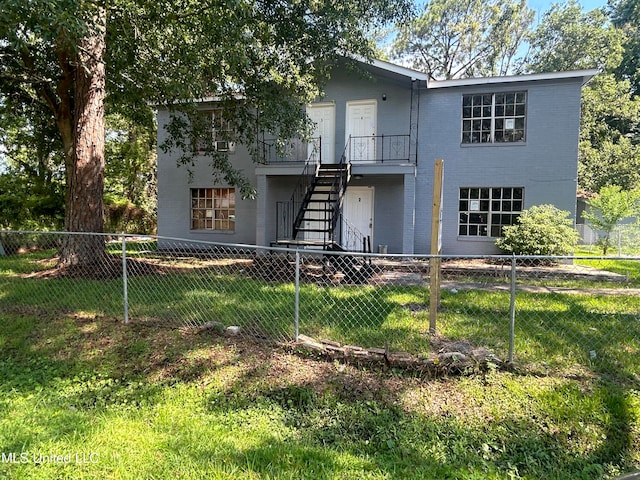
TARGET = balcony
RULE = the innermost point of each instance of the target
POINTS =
(374, 149)
(381, 149)
(296, 150)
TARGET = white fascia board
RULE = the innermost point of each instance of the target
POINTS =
(585, 75)
(400, 70)
(390, 67)
(216, 99)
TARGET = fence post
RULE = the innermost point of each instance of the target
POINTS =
(124, 279)
(512, 309)
(297, 296)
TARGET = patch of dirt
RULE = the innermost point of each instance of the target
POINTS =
(483, 267)
(108, 268)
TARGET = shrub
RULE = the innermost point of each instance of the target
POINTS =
(540, 230)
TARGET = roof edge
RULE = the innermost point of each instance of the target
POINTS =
(399, 69)
(390, 67)
(585, 75)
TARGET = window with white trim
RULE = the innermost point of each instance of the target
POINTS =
(213, 209)
(494, 117)
(484, 211)
(214, 132)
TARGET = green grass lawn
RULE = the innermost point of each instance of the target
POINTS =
(85, 396)
(628, 268)
(142, 401)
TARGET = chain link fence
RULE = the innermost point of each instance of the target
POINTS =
(623, 240)
(541, 312)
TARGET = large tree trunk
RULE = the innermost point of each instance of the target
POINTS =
(85, 162)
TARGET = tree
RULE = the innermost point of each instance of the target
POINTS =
(569, 39)
(53, 53)
(626, 16)
(609, 153)
(606, 210)
(32, 178)
(540, 230)
(454, 39)
(72, 56)
(130, 176)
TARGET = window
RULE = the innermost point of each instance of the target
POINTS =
(484, 211)
(213, 209)
(221, 129)
(494, 118)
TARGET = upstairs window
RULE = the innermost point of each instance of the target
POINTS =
(494, 117)
(214, 132)
(484, 211)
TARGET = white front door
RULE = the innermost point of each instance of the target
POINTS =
(361, 130)
(324, 133)
(358, 214)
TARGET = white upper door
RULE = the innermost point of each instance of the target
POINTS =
(324, 133)
(361, 128)
(358, 214)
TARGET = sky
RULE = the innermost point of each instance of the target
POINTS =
(542, 6)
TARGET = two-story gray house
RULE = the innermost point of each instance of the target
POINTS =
(365, 179)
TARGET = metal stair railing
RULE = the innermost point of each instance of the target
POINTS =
(341, 184)
(301, 191)
(352, 239)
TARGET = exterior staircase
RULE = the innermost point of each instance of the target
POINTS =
(317, 217)
(313, 219)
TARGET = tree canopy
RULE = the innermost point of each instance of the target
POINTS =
(567, 38)
(454, 39)
(609, 153)
(626, 17)
(76, 57)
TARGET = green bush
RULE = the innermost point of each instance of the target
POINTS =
(123, 216)
(540, 230)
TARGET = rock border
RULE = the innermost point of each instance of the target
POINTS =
(453, 358)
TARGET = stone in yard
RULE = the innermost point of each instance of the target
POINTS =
(378, 351)
(232, 331)
(211, 326)
(310, 343)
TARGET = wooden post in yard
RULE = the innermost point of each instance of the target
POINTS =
(436, 245)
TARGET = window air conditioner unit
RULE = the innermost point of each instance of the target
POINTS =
(224, 146)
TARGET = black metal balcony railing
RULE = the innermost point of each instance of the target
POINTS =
(370, 149)
(380, 149)
(295, 150)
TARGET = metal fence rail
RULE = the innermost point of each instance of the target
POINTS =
(545, 312)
